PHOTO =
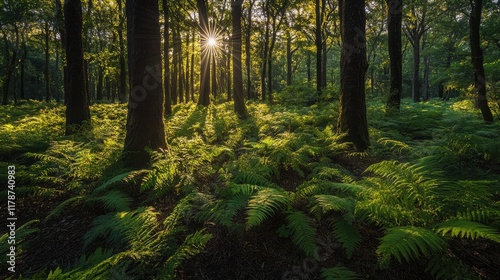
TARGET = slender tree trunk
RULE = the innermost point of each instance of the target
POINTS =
(100, 83)
(308, 66)
(248, 61)
(477, 59)
(192, 70)
(180, 67)
(288, 58)
(319, 46)
(239, 100)
(145, 127)
(214, 77)
(265, 57)
(166, 57)
(48, 94)
(394, 25)
(416, 69)
(77, 107)
(23, 60)
(174, 92)
(352, 119)
(204, 98)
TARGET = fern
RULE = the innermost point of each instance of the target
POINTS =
(192, 245)
(56, 212)
(115, 201)
(303, 234)
(125, 177)
(22, 233)
(347, 235)
(338, 273)
(264, 204)
(408, 243)
(468, 229)
(448, 266)
(326, 203)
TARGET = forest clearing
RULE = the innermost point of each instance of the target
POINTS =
(250, 139)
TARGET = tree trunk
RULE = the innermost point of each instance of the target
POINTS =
(394, 25)
(248, 61)
(308, 66)
(174, 92)
(416, 69)
(145, 128)
(319, 46)
(204, 98)
(48, 94)
(77, 107)
(214, 77)
(352, 119)
(239, 100)
(265, 57)
(166, 57)
(180, 67)
(288, 57)
(122, 88)
(100, 83)
(477, 60)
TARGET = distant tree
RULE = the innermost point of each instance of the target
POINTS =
(394, 25)
(145, 127)
(239, 100)
(77, 105)
(352, 119)
(122, 86)
(477, 59)
(166, 56)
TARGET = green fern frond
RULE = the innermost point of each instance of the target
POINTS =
(192, 245)
(326, 203)
(223, 211)
(338, 273)
(181, 210)
(123, 227)
(264, 204)
(408, 243)
(21, 233)
(448, 266)
(347, 235)
(115, 201)
(318, 187)
(395, 145)
(121, 178)
(302, 233)
(244, 189)
(247, 178)
(468, 229)
(479, 215)
(60, 208)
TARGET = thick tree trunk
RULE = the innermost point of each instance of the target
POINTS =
(77, 107)
(394, 25)
(145, 127)
(352, 119)
(204, 98)
(166, 57)
(239, 100)
(477, 60)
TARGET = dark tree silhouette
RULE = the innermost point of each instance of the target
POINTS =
(477, 59)
(239, 100)
(145, 128)
(394, 25)
(77, 103)
(352, 119)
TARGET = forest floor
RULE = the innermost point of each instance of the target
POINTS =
(263, 198)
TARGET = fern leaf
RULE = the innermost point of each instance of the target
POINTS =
(333, 203)
(347, 235)
(302, 233)
(407, 243)
(338, 273)
(192, 245)
(124, 177)
(264, 204)
(59, 209)
(115, 201)
(468, 229)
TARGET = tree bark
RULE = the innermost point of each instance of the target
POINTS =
(239, 100)
(477, 60)
(204, 98)
(248, 61)
(174, 91)
(166, 57)
(319, 46)
(145, 127)
(48, 94)
(352, 119)
(122, 86)
(77, 107)
(394, 26)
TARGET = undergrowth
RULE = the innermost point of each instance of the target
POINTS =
(435, 181)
